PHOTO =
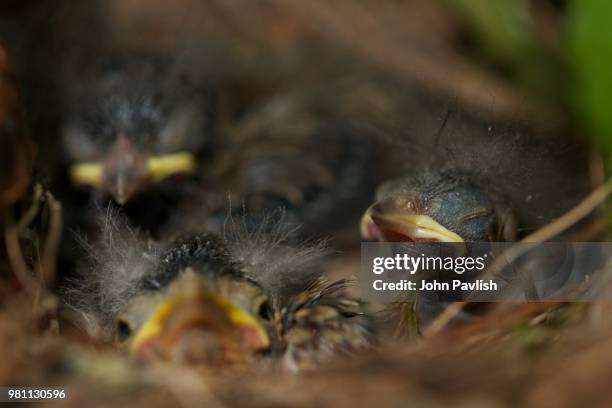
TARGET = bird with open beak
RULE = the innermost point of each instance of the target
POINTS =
(206, 300)
(197, 307)
(444, 206)
(132, 124)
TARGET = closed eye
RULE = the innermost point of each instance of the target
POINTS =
(478, 213)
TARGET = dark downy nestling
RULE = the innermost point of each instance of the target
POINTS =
(140, 109)
(207, 299)
(445, 206)
(293, 155)
(472, 183)
(136, 127)
(135, 122)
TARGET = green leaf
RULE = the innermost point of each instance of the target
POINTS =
(590, 54)
(505, 34)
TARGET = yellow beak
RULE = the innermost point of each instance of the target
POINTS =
(417, 227)
(157, 169)
(253, 334)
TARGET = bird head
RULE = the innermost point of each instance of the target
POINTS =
(194, 304)
(440, 207)
(196, 320)
(133, 126)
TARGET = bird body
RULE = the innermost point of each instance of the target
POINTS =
(296, 155)
(213, 299)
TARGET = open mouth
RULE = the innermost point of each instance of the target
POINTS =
(398, 226)
(199, 323)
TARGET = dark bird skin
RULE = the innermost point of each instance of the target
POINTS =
(207, 299)
(445, 206)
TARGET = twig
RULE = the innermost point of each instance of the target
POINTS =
(35, 283)
(444, 318)
(472, 86)
(47, 262)
(15, 256)
(47, 265)
(592, 231)
(33, 211)
(584, 208)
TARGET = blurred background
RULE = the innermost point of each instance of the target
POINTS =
(517, 91)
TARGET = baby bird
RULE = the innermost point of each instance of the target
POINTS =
(296, 154)
(133, 123)
(207, 299)
(443, 206)
(449, 206)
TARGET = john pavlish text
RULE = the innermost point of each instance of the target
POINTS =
(435, 286)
